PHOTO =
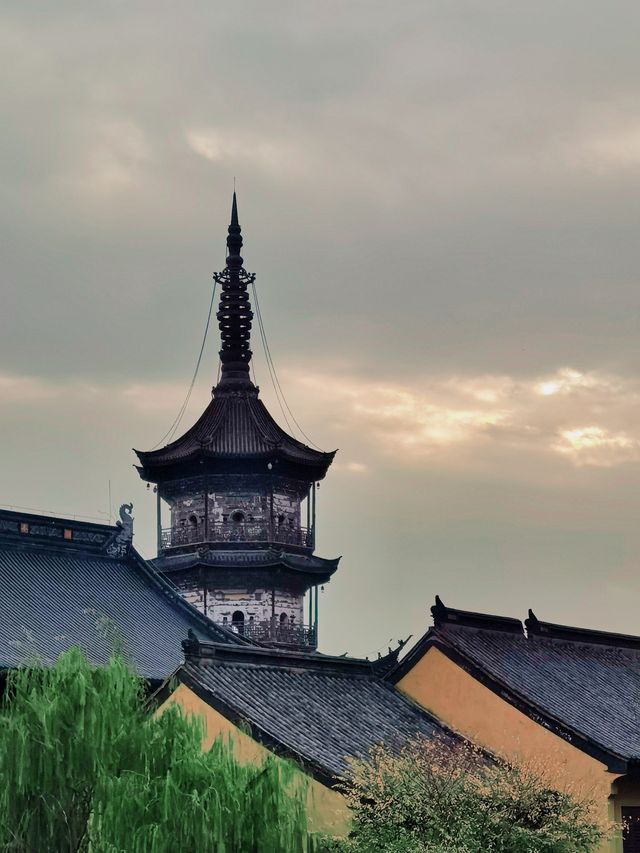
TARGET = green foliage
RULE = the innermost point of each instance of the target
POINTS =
(435, 798)
(86, 768)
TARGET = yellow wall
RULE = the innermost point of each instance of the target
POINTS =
(326, 808)
(468, 707)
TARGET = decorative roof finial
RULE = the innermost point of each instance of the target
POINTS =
(234, 240)
(532, 623)
(234, 206)
(234, 313)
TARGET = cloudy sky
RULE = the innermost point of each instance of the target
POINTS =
(441, 200)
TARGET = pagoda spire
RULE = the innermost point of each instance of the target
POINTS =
(234, 313)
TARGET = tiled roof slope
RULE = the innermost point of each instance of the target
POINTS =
(316, 709)
(586, 682)
(92, 590)
(235, 426)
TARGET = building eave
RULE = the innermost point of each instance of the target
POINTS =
(317, 569)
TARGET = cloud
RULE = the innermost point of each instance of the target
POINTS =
(593, 445)
(613, 149)
(586, 418)
(155, 397)
(589, 418)
(24, 389)
(349, 467)
(274, 156)
(113, 160)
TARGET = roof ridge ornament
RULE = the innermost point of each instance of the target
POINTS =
(121, 542)
(532, 623)
(234, 314)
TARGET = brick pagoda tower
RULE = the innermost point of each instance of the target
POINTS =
(241, 494)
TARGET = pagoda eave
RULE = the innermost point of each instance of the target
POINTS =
(204, 462)
(306, 568)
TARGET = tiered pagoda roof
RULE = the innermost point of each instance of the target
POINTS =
(236, 424)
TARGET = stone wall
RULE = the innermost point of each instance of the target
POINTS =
(254, 603)
(242, 505)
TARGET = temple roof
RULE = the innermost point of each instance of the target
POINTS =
(65, 582)
(582, 684)
(317, 709)
(236, 424)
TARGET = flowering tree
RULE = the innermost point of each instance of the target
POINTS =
(85, 767)
(433, 797)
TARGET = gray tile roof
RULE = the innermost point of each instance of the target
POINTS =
(583, 684)
(55, 594)
(594, 689)
(319, 711)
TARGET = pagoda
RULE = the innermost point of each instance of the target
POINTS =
(241, 495)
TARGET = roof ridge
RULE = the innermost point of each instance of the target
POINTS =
(588, 636)
(253, 416)
(212, 653)
(323, 670)
(219, 417)
(443, 615)
(52, 517)
(31, 531)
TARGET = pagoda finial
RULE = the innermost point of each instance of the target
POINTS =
(234, 313)
(234, 238)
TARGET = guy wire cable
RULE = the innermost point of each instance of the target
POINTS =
(176, 423)
(270, 359)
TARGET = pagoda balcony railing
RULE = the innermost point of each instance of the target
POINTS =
(271, 631)
(236, 532)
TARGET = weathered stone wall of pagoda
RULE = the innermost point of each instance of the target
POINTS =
(189, 510)
(286, 508)
(233, 505)
(255, 603)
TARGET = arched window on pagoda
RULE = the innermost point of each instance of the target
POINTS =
(237, 621)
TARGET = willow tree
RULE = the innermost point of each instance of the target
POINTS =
(84, 767)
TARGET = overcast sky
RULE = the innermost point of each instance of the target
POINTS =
(441, 201)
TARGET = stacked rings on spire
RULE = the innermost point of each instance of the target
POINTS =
(235, 316)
